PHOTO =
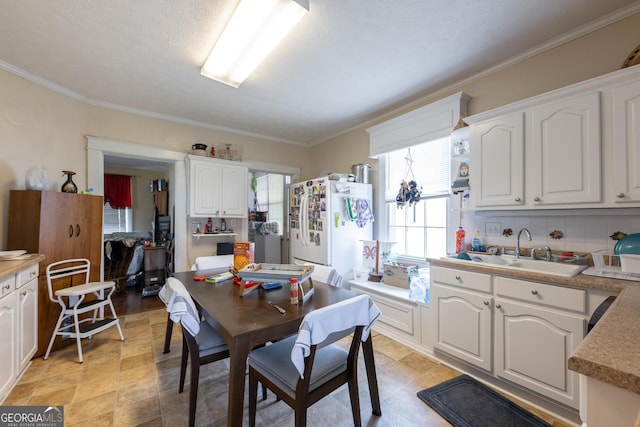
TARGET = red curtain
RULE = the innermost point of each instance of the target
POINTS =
(117, 191)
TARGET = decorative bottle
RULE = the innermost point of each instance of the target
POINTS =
(460, 240)
(69, 186)
(293, 290)
(223, 224)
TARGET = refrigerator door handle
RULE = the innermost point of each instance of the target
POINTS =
(304, 219)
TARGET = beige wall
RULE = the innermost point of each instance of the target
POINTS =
(40, 126)
(595, 54)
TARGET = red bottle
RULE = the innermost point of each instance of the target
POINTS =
(460, 240)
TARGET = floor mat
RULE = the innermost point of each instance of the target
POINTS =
(465, 402)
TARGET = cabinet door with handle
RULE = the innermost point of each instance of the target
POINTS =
(497, 161)
(626, 142)
(565, 152)
(463, 326)
(533, 346)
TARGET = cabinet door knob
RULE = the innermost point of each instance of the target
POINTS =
(620, 195)
(534, 292)
(77, 230)
(7, 287)
(498, 306)
(518, 199)
(70, 230)
(536, 199)
(458, 277)
(486, 303)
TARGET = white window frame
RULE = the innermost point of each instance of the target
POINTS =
(426, 123)
(385, 201)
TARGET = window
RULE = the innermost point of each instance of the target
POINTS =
(117, 211)
(420, 230)
(117, 220)
(270, 198)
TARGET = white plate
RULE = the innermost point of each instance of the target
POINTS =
(11, 254)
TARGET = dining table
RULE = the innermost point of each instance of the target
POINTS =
(251, 320)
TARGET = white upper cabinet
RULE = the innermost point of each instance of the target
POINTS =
(626, 142)
(572, 148)
(217, 188)
(565, 152)
(497, 160)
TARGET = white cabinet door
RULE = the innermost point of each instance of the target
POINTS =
(205, 198)
(9, 340)
(27, 322)
(533, 346)
(626, 142)
(217, 189)
(234, 191)
(497, 161)
(565, 151)
(463, 325)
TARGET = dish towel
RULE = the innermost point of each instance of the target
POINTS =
(321, 323)
(363, 209)
(181, 307)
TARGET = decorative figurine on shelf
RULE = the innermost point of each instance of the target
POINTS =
(69, 186)
(462, 180)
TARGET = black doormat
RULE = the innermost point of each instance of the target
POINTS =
(465, 402)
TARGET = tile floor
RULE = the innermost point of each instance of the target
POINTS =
(132, 383)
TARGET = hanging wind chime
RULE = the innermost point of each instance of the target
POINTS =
(409, 192)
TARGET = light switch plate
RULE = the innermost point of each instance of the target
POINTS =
(492, 228)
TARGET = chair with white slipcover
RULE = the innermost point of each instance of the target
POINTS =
(304, 368)
(327, 275)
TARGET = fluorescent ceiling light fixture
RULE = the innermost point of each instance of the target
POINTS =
(255, 28)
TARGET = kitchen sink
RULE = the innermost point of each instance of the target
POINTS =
(535, 266)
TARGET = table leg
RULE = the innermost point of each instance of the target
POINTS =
(370, 364)
(238, 353)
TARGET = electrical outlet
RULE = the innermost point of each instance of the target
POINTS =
(492, 228)
(233, 223)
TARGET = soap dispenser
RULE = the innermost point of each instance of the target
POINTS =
(476, 243)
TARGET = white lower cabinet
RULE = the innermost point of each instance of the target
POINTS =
(517, 330)
(27, 323)
(464, 324)
(8, 333)
(532, 347)
(18, 325)
(401, 319)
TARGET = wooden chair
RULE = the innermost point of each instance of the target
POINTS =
(79, 298)
(201, 344)
(303, 369)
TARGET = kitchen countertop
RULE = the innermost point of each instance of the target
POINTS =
(12, 266)
(611, 351)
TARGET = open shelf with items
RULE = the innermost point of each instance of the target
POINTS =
(199, 235)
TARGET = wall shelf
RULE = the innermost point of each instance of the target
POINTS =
(199, 235)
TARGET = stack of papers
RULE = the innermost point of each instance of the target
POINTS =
(220, 277)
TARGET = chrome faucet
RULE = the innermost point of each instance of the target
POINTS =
(526, 231)
(547, 252)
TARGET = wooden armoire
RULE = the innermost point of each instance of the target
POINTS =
(60, 226)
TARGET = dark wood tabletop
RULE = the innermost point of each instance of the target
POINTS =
(250, 321)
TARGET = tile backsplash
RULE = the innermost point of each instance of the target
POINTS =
(580, 231)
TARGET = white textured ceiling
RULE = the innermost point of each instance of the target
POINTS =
(347, 61)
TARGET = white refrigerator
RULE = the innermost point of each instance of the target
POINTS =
(329, 220)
